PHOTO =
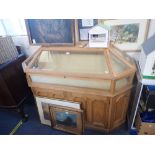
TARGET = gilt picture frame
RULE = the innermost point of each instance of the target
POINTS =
(128, 34)
(51, 32)
(67, 119)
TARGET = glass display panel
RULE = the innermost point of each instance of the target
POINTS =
(127, 57)
(72, 62)
(118, 65)
(121, 83)
(87, 83)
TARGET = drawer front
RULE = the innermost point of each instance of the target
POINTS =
(49, 93)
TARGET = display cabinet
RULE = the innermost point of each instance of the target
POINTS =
(100, 79)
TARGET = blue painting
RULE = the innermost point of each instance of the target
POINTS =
(66, 119)
(51, 31)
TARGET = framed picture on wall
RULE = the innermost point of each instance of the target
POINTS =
(82, 28)
(67, 119)
(128, 34)
(50, 31)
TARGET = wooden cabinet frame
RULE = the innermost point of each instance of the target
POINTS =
(88, 95)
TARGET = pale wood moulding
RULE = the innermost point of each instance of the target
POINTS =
(112, 76)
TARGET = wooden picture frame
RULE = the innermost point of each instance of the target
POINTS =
(80, 29)
(67, 119)
(50, 32)
(43, 107)
(128, 34)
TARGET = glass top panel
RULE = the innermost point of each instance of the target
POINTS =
(127, 57)
(118, 65)
(72, 62)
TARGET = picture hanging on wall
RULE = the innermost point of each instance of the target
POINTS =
(83, 27)
(50, 31)
(128, 34)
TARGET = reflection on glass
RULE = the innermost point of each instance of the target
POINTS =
(66, 119)
(75, 62)
(118, 65)
(122, 83)
(127, 57)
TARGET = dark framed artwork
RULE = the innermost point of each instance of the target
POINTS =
(50, 31)
(83, 26)
(67, 119)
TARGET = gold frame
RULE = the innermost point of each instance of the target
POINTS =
(80, 120)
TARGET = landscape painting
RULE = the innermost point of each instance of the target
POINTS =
(67, 119)
(127, 34)
(124, 33)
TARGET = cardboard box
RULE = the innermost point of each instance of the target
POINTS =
(144, 128)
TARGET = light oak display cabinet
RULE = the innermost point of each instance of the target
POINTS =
(99, 79)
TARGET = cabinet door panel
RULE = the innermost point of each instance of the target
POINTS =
(119, 109)
(97, 111)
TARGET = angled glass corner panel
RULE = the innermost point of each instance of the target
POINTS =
(126, 57)
(121, 83)
(117, 64)
(72, 62)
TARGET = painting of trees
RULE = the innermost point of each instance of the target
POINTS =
(124, 33)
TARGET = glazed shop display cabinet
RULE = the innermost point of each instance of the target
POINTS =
(99, 79)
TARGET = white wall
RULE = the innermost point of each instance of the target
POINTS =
(23, 41)
(151, 28)
(29, 50)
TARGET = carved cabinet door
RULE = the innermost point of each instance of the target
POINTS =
(97, 111)
(119, 109)
(96, 108)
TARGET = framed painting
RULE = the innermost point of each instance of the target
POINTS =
(50, 31)
(43, 105)
(82, 28)
(128, 34)
(67, 119)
